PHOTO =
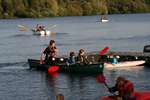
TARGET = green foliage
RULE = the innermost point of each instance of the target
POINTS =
(87, 8)
(47, 8)
(74, 9)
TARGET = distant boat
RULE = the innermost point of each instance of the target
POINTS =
(104, 19)
(41, 33)
(38, 30)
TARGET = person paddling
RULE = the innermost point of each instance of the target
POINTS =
(124, 88)
(50, 53)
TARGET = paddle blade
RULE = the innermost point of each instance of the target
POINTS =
(103, 51)
(53, 26)
(101, 78)
(22, 28)
(53, 69)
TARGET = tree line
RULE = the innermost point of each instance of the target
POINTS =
(48, 8)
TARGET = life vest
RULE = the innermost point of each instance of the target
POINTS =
(126, 88)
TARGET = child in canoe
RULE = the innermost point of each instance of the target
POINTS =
(82, 58)
(72, 58)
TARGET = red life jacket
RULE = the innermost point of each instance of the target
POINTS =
(126, 88)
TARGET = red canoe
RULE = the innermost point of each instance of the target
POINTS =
(138, 95)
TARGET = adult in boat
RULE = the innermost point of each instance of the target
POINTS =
(124, 88)
(82, 58)
(50, 53)
(40, 28)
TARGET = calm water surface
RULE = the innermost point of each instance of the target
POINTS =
(121, 33)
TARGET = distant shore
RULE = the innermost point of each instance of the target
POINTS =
(52, 8)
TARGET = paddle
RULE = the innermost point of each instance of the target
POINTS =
(53, 26)
(101, 78)
(53, 69)
(23, 28)
(103, 51)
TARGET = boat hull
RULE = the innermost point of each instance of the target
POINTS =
(42, 33)
(138, 95)
(124, 64)
(74, 68)
(104, 20)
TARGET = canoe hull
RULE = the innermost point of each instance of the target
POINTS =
(74, 68)
(124, 64)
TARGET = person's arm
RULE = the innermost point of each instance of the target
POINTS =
(56, 51)
(42, 56)
(79, 59)
(113, 89)
(85, 59)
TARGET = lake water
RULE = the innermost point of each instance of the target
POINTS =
(122, 33)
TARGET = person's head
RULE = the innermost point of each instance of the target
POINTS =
(120, 80)
(59, 97)
(81, 51)
(72, 54)
(52, 43)
(111, 55)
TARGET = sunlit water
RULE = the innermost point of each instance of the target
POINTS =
(121, 33)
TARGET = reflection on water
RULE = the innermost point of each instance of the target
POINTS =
(28, 84)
